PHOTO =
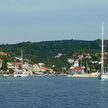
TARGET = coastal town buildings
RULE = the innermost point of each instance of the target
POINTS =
(1, 63)
(13, 65)
(3, 53)
(79, 63)
(77, 70)
(70, 60)
(58, 55)
(41, 67)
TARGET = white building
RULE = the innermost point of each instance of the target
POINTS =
(1, 63)
(76, 63)
(41, 67)
(70, 60)
(13, 65)
(58, 55)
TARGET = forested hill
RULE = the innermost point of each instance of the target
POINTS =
(47, 50)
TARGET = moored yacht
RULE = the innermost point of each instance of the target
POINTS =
(5, 75)
(20, 74)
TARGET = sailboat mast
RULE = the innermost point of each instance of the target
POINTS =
(102, 50)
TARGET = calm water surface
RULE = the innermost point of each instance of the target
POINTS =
(53, 92)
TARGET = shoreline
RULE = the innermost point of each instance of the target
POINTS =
(83, 75)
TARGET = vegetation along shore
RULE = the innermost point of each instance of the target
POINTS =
(53, 57)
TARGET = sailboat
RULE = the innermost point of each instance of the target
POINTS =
(103, 74)
(21, 73)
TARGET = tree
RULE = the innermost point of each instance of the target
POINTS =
(4, 64)
(11, 71)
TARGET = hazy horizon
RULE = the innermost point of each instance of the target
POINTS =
(49, 41)
(46, 20)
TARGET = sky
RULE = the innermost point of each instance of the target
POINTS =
(45, 20)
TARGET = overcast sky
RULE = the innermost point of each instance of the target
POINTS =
(41, 20)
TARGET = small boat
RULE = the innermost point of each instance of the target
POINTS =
(5, 75)
(20, 74)
(103, 75)
(82, 75)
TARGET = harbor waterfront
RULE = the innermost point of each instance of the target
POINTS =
(94, 75)
(53, 92)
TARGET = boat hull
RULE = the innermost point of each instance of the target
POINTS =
(83, 75)
(20, 74)
(103, 76)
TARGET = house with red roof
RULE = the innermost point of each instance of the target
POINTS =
(41, 67)
(13, 65)
(77, 70)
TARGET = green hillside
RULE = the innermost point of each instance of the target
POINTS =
(47, 50)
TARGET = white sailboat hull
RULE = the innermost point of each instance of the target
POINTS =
(20, 74)
(103, 76)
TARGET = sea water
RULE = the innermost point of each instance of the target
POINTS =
(53, 92)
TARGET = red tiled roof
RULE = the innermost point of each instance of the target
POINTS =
(77, 68)
(15, 63)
